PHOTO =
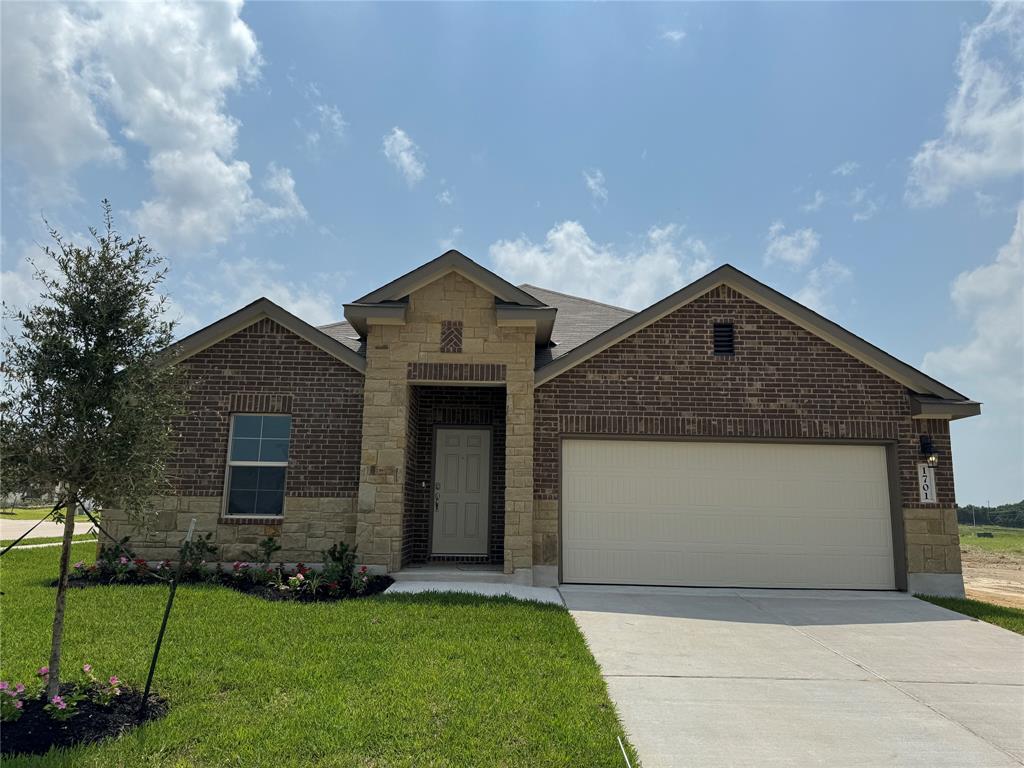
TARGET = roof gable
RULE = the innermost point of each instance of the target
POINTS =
(782, 305)
(249, 314)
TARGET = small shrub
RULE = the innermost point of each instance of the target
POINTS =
(339, 562)
(265, 551)
(195, 554)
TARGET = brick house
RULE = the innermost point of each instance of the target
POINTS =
(724, 436)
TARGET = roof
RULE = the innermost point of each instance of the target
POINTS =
(579, 320)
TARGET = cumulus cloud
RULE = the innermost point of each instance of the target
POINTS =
(795, 249)
(162, 73)
(446, 196)
(402, 152)
(983, 138)
(820, 283)
(865, 205)
(674, 36)
(594, 179)
(570, 260)
(847, 168)
(989, 366)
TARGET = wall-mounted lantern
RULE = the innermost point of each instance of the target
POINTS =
(928, 452)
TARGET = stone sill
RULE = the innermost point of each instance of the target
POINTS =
(238, 520)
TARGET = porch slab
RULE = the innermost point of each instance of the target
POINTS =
(486, 589)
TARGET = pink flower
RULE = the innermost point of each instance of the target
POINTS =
(79, 565)
(87, 668)
(19, 688)
(113, 680)
(123, 560)
(4, 685)
(17, 704)
(43, 671)
(58, 702)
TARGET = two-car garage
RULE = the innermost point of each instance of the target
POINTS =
(698, 513)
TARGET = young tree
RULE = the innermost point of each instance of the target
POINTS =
(87, 396)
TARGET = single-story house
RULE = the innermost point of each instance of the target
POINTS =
(724, 436)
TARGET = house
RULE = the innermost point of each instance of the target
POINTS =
(724, 436)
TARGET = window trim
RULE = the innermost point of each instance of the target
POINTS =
(228, 464)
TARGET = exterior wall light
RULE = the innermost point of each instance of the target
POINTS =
(928, 451)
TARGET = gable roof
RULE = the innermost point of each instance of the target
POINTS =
(793, 311)
(249, 314)
(579, 320)
(450, 261)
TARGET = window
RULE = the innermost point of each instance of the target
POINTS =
(724, 339)
(257, 463)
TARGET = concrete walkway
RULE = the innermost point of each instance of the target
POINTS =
(519, 591)
(715, 677)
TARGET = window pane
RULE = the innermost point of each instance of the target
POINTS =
(271, 479)
(245, 478)
(242, 503)
(273, 450)
(277, 426)
(269, 503)
(247, 426)
(245, 449)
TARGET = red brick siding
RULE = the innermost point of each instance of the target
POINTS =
(267, 366)
(783, 382)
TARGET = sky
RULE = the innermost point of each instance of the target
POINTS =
(866, 159)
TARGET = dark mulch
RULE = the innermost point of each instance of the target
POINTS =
(35, 732)
(376, 584)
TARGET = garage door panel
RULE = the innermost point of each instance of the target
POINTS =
(726, 514)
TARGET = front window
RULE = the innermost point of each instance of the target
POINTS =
(257, 463)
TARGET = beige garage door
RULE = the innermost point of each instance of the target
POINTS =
(726, 514)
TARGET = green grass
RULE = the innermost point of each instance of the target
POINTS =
(29, 513)
(1007, 618)
(1008, 540)
(49, 539)
(424, 680)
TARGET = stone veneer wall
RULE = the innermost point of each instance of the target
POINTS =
(263, 368)
(783, 382)
(400, 354)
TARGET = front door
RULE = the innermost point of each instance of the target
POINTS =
(462, 480)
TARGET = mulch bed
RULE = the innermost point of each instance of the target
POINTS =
(376, 584)
(36, 732)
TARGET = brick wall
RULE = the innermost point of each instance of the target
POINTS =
(782, 382)
(450, 406)
(267, 368)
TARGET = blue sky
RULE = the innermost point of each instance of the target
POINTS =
(866, 159)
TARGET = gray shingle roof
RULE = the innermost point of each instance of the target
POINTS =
(577, 321)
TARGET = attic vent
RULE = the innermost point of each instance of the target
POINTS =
(725, 339)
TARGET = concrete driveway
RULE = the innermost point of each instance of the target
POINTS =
(718, 677)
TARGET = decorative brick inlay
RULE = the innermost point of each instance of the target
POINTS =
(451, 335)
(456, 372)
(250, 402)
(782, 383)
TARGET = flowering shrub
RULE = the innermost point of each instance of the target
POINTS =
(14, 698)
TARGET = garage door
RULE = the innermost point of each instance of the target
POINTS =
(726, 514)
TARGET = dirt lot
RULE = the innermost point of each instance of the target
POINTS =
(996, 577)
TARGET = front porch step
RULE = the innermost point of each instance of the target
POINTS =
(448, 572)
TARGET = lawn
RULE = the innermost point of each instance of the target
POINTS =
(49, 539)
(425, 680)
(1009, 540)
(1007, 618)
(30, 513)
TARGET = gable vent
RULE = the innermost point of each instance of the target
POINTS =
(725, 339)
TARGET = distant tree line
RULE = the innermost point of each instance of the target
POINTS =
(1011, 515)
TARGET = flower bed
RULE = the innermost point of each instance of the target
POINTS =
(338, 580)
(85, 710)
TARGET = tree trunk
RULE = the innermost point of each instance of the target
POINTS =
(53, 683)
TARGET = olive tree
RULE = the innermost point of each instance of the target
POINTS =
(88, 393)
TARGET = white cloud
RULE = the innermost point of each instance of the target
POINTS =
(846, 169)
(233, 284)
(989, 366)
(281, 185)
(162, 72)
(814, 204)
(821, 281)
(674, 36)
(983, 138)
(865, 205)
(323, 119)
(445, 196)
(594, 179)
(569, 260)
(449, 241)
(795, 249)
(403, 153)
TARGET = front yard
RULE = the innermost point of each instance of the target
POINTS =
(384, 681)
